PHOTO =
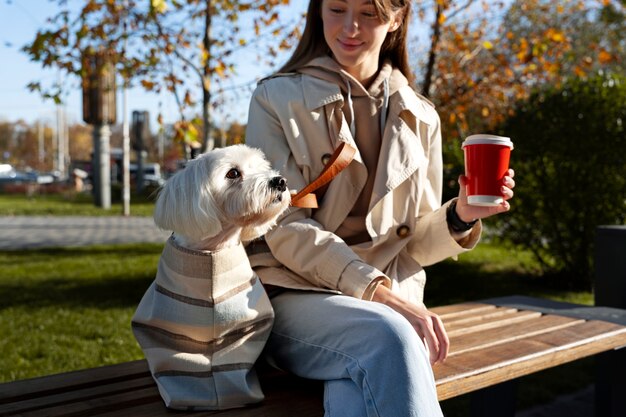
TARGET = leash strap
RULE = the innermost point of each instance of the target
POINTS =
(340, 159)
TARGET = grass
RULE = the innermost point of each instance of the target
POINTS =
(492, 271)
(59, 205)
(70, 308)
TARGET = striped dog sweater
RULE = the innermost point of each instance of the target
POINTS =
(202, 324)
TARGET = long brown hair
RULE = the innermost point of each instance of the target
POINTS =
(313, 45)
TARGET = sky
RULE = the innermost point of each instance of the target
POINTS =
(19, 22)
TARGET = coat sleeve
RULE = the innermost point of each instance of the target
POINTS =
(299, 242)
(433, 241)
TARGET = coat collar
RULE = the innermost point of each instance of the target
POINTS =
(320, 93)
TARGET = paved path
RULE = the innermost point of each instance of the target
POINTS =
(29, 232)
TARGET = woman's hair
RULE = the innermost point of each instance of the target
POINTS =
(394, 48)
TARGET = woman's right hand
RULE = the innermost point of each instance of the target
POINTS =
(428, 325)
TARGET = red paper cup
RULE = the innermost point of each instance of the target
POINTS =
(486, 163)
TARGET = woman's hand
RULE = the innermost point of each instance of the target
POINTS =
(427, 325)
(469, 213)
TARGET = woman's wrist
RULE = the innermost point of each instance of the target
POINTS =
(455, 222)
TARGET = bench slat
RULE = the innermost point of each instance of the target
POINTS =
(98, 405)
(490, 322)
(485, 367)
(455, 310)
(478, 315)
(49, 385)
(507, 334)
(286, 396)
(77, 395)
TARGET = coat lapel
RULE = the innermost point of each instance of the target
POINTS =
(345, 189)
(404, 146)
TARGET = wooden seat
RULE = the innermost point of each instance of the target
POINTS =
(491, 342)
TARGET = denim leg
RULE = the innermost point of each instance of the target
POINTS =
(373, 361)
(343, 398)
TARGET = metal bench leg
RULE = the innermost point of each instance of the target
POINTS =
(496, 401)
(610, 291)
(611, 383)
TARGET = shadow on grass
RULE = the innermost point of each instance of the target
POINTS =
(68, 293)
(451, 282)
(100, 276)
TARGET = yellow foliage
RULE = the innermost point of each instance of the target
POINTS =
(555, 35)
(604, 57)
(158, 6)
(220, 69)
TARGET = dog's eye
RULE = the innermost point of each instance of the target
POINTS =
(233, 174)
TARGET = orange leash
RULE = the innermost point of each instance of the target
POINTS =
(340, 159)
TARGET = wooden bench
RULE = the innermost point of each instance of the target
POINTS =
(492, 342)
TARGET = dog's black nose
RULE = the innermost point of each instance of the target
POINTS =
(278, 183)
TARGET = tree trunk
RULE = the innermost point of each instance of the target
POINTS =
(432, 55)
(207, 141)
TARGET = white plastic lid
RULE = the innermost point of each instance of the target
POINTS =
(482, 139)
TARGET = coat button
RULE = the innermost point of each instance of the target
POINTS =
(403, 231)
(326, 158)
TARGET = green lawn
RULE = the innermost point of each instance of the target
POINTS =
(80, 205)
(66, 309)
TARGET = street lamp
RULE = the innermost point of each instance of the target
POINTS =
(98, 76)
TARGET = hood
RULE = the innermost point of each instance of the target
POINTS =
(386, 83)
(326, 68)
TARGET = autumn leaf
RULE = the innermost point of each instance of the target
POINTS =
(220, 69)
(158, 6)
(555, 36)
(604, 57)
(148, 85)
(188, 100)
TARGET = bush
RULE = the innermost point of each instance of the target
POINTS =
(570, 163)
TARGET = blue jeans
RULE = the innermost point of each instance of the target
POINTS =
(371, 359)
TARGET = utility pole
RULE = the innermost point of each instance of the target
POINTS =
(99, 110)
(160, 137)
(41, 139)
(125, 129)
(61, 139)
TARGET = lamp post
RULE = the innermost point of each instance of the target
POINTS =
(99, 111)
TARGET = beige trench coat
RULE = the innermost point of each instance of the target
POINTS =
(297, 121)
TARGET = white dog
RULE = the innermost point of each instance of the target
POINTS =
(205, 319)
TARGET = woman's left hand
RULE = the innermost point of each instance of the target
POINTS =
(468, 213)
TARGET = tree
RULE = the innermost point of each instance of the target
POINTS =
(483, 57)
(571, 155)
(180, 46)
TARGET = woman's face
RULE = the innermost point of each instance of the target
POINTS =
(355, 34)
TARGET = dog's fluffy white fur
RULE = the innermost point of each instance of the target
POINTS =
(222, 197)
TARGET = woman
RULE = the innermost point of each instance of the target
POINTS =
(347, 279)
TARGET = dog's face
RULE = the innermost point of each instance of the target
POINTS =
(225, 188)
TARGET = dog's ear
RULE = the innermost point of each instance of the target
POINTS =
(186, 206)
